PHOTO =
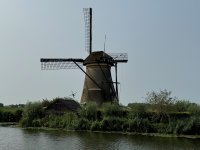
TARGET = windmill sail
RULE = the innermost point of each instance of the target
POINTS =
(88, 29)
(61, 63)
(119, 57)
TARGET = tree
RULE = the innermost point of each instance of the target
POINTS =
(161, 103)
(1, 104)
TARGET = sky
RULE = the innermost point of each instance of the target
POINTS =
(161, 37)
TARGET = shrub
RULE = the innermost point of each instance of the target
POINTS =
(53, 121)
(31, 111)
(45, 102)
(170, 127)
(36, 123)
(125, 126)
(192, 126)
(161, 127)
(8, 114)
(138, 108)
(179, 115)
(96, 126)
(179, 128)
(181, 106)
(18, 115)
(194, 109)
(111, 110)
(70, 121)
(89, 111)
(83, 124)
(24, 122)
(138, 111)
(139, 125)
(112, 124)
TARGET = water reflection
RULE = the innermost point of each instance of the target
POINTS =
(108, 141)
(49, 140)
(20, 139)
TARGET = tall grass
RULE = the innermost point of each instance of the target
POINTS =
(113, 117)
(32, 112)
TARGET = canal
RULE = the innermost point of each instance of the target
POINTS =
(12, 138)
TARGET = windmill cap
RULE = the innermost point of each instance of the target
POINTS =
(99, 57)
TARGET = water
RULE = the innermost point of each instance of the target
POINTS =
(20, 139)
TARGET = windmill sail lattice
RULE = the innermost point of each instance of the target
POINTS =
(88, 29)
(119, 57)
(98, 85)
(60, 63)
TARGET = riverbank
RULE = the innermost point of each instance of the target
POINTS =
(16, 124)
(111, 117)
(161, 116)
(9, 124)
(117, 132)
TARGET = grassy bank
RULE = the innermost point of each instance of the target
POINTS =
(161, 114)
(136, 118)
(116, 132)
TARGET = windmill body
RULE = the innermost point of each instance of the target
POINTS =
(98, 66)
(98, 85)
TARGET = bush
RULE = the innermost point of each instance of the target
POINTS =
(112, 110)
(161, 127)
(36, 123)
(89, 111)
(31, 111)
(144, 115)
(138, 108)
(181, 106)
(18, 115)
(55, 121)
(83, 124)
(179, 115)
(67, 121)
(179, 128)
(139, 125)
(194, 109)
(70, 121)
(192, 127)
(45, 103)
(112, 124)
(10, 115)
(96, 126)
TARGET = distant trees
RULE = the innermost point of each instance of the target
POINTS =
(8, 114)
(1, 105)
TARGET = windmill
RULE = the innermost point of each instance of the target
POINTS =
(98, 85)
